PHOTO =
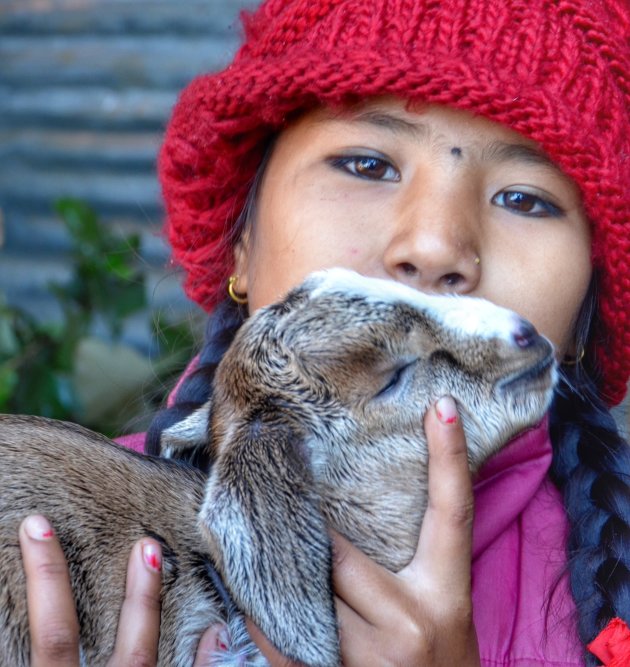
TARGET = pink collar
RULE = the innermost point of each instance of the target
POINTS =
(507, 482)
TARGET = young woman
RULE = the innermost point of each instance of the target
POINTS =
(459, 147)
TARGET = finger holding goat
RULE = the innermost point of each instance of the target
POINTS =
(434, 624)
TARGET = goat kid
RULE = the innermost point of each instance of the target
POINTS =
(315, 420)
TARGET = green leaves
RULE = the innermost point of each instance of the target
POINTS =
(35, 366)
(108, 277)
(60, 369)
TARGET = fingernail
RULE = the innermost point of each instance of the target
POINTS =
(223, 639)
(152, 556)
(210, 644)
(446, 410)
(38, 528)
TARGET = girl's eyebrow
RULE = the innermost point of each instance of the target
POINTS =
(501, 151)
(496, 151)
(413, 129)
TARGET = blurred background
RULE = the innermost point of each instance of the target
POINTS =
(91, 316)
(94, 327)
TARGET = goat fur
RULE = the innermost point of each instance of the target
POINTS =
(315, 420)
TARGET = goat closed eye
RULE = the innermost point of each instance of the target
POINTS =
(395, 381)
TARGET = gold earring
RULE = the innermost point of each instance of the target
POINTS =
(241, 299)
(574, 361)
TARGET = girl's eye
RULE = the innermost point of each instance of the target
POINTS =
(367, 166)
(525, 203)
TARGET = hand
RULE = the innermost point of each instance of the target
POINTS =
(423, 614)
(53, 624)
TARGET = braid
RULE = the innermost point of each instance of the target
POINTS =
(196, 388)
(591, 467)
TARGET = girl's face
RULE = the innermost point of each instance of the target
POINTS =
(437, 199)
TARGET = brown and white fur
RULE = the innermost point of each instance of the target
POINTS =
(315, 420)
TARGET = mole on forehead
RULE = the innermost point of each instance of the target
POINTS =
(457, 151)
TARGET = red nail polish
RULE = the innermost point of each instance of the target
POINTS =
(446, 410)
(446, 420)
(223, 640)
(152, 557)
(38, 528)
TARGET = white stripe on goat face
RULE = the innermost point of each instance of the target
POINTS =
(467, 315)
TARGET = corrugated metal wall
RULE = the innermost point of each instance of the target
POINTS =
(85, 88)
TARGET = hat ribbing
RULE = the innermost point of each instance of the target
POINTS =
(556, 71)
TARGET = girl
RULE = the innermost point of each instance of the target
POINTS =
(460, 147)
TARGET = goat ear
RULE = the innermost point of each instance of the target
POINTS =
(181, 432)
(269, 539)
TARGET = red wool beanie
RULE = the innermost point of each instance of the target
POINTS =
(557, 71)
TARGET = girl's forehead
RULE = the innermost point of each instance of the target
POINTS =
(409, 116)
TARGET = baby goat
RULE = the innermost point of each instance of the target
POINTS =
(315, 421)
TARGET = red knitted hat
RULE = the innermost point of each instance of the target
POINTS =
(557, 71)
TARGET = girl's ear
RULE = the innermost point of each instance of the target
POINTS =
(241, 260)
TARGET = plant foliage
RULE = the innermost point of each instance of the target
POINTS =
(59, 369)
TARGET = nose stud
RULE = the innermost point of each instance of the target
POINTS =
(477, 260)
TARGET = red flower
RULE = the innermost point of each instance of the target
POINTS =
(612, 644)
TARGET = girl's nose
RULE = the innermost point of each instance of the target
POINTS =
(435, 251)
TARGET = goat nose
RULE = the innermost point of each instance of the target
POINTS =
(525, 334)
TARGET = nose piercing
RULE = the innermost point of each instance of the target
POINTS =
(477, 260)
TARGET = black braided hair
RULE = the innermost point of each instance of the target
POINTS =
(591, 467)
(196, 388)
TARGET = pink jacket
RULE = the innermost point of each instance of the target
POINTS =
(524, 614)
(523, 610)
